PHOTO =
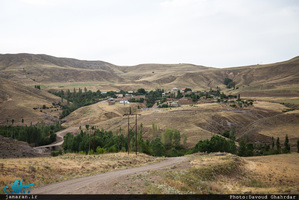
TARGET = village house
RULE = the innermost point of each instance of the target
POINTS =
(111, 101)
(174, 91)
(129, 95)
(182, 90)
(124, 102)
(174, 104)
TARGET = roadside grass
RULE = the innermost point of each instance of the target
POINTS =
(229, 174)
(45, 170)
(198, 179)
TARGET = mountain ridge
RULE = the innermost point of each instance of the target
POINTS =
(34, 69)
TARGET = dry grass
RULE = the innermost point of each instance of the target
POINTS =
(198, 122)
(229, 174)
(53, 169)
(96, 113)
(18, 102)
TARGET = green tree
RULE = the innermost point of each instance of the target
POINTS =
(232, 133)
(287, 147)
(249, 149)
(278, 145)
(157, 147)
(141, 91)
(167, 138)
(184, 138)
(176, 138)
(297, 146)
(242, 148)
(273, 144)
(179, 95)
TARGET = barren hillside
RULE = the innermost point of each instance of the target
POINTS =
(278, 79)
(21, 102)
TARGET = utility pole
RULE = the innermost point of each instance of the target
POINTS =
(94, 132)
(128, 134)
(136, 132)
(130, 128)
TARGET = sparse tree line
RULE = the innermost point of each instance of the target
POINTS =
(95, 141)
(77, 99)
(228, 144)
(35, 135)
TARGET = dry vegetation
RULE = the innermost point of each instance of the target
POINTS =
(17, 102)
(199, 121)
(219, 173)
(47, 170)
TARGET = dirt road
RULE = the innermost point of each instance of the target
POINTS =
(102, 183)
(59, 139)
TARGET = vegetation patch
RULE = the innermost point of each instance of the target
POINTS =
(198, 179)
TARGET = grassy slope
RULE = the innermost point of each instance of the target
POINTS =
(17, 102)
(198, 122)
(278, 79)
(228, 174)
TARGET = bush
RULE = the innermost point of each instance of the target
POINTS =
(100, 150)
(216, 144)
(157, 147)
(90, 152)
(112, 149)
(56, 153)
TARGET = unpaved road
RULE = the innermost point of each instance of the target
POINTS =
(59, 139)
(102, 183)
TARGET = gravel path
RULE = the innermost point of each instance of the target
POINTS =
(102, 183)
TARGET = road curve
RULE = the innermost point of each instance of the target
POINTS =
(102, 183)
(59, 139)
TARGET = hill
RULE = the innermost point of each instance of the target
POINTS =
(11, 148)
(257, 123)
(32, 69)
(277, 79)
(21, 102)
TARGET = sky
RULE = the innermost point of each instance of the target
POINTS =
(215, 33)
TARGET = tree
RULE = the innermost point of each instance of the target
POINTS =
(242, 148)
(287, 147)
(278, 145)
(179, 95)
(141, 91)
(297, 146)
(166, 138)
(249, 149)
(232, 133)
(184, 138)
(157, 147)
(272, 142)
(154, 130)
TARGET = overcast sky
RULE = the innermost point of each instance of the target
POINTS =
(218, 33)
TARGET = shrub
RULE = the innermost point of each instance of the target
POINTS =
(100, 150)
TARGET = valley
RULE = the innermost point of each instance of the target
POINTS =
(260, 107)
